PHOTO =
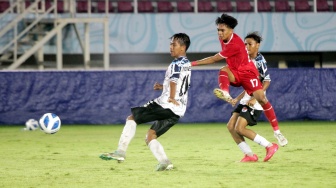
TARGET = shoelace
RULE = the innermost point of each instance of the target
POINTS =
(281, 137)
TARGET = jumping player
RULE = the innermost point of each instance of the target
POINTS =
(252, 43)
(240, 70)
(165, 110)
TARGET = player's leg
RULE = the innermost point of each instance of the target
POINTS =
(253, 86)
(125, 139)
(268, 108)
(225, 76)
(239, 139)
(244, 147)
(156, 130)
(250, 134)
(249, 116)
(270, 114)
(231, 128)
(147, 113)
(271, 148)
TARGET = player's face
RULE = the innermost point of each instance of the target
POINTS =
(252, 46)
(224, 32)
(176, 50)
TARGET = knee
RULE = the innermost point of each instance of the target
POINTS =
(261, 98)
(151, 134)
(263, 101)
(230, 127)
(225, 68)
(130, 117)
(239, 130)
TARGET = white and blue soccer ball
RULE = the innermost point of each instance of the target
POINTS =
(50, 123)
(31, 125)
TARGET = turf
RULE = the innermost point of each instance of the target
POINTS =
(204, 155)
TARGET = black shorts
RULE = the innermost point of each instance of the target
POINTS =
(164, 118)
(251, 115)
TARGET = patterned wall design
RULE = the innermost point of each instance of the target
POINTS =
(149, 33)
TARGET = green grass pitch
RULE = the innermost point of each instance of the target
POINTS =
(204, 155)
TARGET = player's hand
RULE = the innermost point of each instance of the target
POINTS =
(157, 86)
(173, 101)
(251, 102)
(233, 102)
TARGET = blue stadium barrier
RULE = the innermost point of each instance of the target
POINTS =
(105, 97)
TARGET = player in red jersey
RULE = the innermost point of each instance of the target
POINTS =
(240, 70)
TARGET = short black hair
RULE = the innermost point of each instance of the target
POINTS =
(227, 20)
(255, 35)
(182, 38)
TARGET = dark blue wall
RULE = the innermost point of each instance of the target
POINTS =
(105, 97)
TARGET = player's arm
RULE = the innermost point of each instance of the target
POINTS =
(171, 98)
(238, 98)
(266, 84)
(157, 86)
(266, 81)
(208, 60)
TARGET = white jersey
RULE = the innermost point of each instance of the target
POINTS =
(261, 65)
(246, 98)
(179, 71)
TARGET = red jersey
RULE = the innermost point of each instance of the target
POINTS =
(238, 61)
(235, 53)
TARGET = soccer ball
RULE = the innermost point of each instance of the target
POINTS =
(31, 125)
(50, 123)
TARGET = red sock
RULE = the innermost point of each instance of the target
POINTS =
(270, 114)
(223, 81)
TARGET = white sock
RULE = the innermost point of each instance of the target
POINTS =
(127, 135)
(245, 148)
(157, 151)
(261, 141)
(277, 132)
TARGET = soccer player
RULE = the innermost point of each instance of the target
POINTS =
(166, 110)
(240, 70)
(249, 110)
(248, 114)
(252, 43)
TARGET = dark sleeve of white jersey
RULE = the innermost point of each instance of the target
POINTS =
(262, 68)
(175, 72)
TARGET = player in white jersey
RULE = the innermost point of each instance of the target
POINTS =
(165, 111)
(178, 72)
(249, 110)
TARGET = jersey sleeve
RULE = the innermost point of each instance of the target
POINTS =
(175, 71)
(261, 65)
(267, 76)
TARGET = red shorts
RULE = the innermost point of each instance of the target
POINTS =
(249, 80)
